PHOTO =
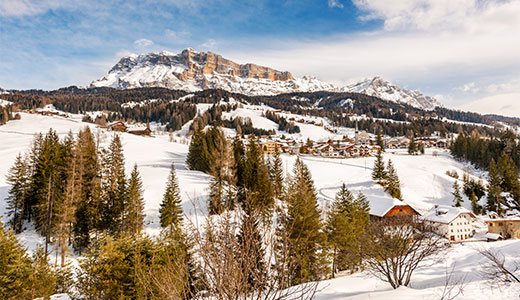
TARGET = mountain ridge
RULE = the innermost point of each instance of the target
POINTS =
(194, 71)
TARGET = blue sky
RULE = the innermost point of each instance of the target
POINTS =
(466, 53)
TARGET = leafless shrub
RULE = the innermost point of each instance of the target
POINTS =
(498, 271)
(453, 287)
(396, 247)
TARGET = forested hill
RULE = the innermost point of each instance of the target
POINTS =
(333, 105)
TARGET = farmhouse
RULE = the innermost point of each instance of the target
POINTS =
(141, 131)
(386, 208)
(507, 228)
(117, 126)
(454, 223)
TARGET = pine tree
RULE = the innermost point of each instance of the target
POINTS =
(379, 173)
(221, 171)
(257, 182)
(457, 198)
(494, 199)
(65, 218)
(48, 185)
(238, 167)
(114, 187)
(43, 277)
(393, 184)
(303, 228)
(412, 147)
(33, 156)
(134, 216)
(171, 209)
(474, 203)
(15, 267)
(19, 179)
(88, 213)
(347, 219)
(379, 141)
(509, 173)
(276, 174)
(198, 155)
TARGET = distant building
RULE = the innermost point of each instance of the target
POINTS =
(454, 223)
(270, 146)
(145, 132)
(507, 228)
(386, 208)
(117, 126)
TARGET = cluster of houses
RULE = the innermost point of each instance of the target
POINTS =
(453, 223)
(362, 144)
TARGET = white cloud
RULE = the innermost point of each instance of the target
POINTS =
(209, 44)
(469, 87)
(335, 3)
(177, 36)
(18, 8)
(438, 15)
(436, 46)
(501, 104)
(143, 43)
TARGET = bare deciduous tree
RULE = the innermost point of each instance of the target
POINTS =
(453, 286)
(498, 271)
(396, 247)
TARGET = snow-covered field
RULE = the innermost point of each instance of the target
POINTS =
(424, 183)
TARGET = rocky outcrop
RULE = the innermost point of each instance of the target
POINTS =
(192, 70)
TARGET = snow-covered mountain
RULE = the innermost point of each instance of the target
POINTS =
(383, 89)
(194, 71)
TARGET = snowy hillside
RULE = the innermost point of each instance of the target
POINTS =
(383, 89)
(424, 179)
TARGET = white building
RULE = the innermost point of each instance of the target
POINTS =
(454, 223)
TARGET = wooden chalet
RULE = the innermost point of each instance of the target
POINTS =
(117, 126)
(144, 132)
(386, 208)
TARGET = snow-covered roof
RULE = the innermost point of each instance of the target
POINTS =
(493, 236)
(48, 108)
(445, 214)
(380, 206)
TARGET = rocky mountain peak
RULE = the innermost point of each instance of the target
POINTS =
(378, 87)
(193, 71)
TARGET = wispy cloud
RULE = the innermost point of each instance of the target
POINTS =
(143, 43)
(335, 3)
(209, 44)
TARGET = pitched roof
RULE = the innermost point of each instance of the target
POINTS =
(445, 214)
(380, 206)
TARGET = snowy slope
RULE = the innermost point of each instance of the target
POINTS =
(152, 155)
(424, 184)
(428, 281)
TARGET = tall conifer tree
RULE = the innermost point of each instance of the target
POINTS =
(134, 216)
(19, 179)
(302, 228)
(393, 184)
(171, 209)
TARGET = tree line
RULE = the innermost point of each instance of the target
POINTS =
(174, 114)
